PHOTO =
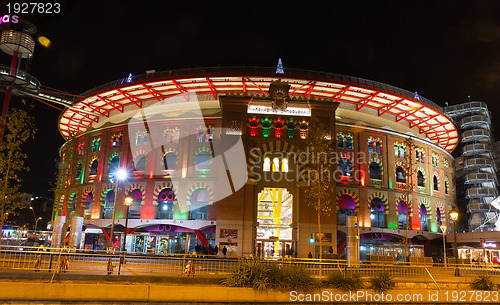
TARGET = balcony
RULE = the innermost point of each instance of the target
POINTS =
(478, 120)
(472, 107)
(476, 206)
(480, 192)
(481, 177)
(474, 163)
(476, 148)
(476, 135)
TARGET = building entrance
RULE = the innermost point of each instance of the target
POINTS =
(274, 218)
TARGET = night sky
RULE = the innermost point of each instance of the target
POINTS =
(444, 50)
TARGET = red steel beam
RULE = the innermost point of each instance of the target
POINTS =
(340, 94)
(391, 106)
(408, 114)
(366, 100)
(111, 103)
(212, 88)
(130, 98)
(153, 92)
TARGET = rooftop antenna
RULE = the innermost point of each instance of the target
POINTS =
(279, 68)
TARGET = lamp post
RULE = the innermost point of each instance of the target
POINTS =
(454, 217)
(120, 174)
(34, 216)
(36, 223)
(443, 229)
(128, 202)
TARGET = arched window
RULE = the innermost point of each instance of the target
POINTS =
(370, 146)
(378, 147)
(93, 147)
(72, 200)
(435, 183)
(276, 164)
(145, 138)
(120, 140)
(267, 165)
(199, 208)
(176, 136)
(134, 211)
(438, 217)
(345, 168)
(278, 128)
(340, 141)
(402, 214)
(93, 167)
(253, 127)
(210, 134)
(167, 136)
(113, 141)
(266, 127)
(423, 218)
(291, 129)
(98, 144)
(79, 171)
(402, 151)
(396, 150)
(375, 171)
(446, 185)
(303, 130)
(422, 157)
(202, 160)
(377, 215)
(284, 165)
(348, 143)
(347, 207)
(138, 139)
(417, 155)
(400, 175)
(170, 161)
(114, 164)
(140, 163)
(88, 205)
(165, 208)
(109, 201)
(420, 179)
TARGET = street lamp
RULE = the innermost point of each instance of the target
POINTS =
(34, 216)
(443, 229)
(120, 174)
(128, 202)
(454, 217)
(36, 223)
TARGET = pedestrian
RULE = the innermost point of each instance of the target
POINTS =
(38, 262)
(330, 250)
(109, 267)
(216, 250)
(290, 252)
(224, 250)
(310, 255)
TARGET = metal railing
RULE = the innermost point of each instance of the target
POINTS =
(96, 263)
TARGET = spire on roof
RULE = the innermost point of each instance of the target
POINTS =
(279, 68)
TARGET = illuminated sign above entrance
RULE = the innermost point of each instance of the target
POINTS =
(288, 111)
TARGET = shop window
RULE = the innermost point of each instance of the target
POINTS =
(420, 179)
(375, 171)
(278, 128)
(253, 127)
(402, 214)
(400, 175)
(377, 215)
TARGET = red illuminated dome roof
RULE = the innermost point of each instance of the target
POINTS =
(373, 101)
